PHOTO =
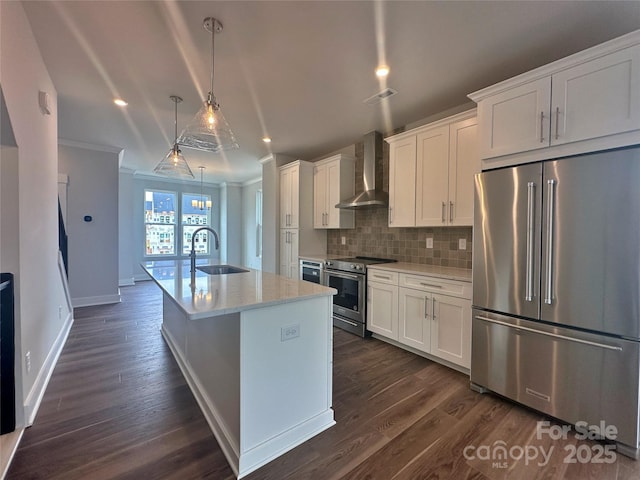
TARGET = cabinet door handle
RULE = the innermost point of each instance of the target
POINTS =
(444, 206)
(431, 285)
(541, 127)
(451, 211)
(557, 121)
(384, 277)
(390, 214)
(433, 308)
(426, 309)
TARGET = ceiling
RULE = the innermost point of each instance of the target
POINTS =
(297, 71)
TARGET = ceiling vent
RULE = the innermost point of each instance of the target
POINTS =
(378, 97)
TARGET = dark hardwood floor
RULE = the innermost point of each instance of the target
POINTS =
(118, 407)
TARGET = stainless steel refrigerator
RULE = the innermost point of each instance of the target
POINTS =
(556, 288)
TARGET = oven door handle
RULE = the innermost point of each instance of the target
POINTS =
(353, 324)
(343, 275)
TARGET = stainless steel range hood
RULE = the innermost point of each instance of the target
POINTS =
(373, 196)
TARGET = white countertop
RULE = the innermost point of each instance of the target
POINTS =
(222, 294)
(450, 273)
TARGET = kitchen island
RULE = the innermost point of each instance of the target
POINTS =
(256, 351)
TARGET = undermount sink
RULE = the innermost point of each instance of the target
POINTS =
(220, 269)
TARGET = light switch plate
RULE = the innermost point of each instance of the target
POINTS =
(429, 242)
(462, 244)
(343, 240)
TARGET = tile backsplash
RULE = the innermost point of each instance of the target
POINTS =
(372, 236)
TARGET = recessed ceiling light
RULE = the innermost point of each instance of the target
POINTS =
(382, 71)
(120, 102)
(266, 139)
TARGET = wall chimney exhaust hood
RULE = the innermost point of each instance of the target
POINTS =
(373, 195)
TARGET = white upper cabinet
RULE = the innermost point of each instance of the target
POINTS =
(431, 172)
(597, 98)
(586, 102)
(333, 181)
(515, 120)
(464, 163)
(432, 176)
(289, 195)
(402, 184)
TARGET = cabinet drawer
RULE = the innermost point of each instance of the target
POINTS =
(382, 276)
(436, 285)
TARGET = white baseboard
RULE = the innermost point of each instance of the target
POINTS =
(99, 300)
(32, 402)
(126, 282)
(141, 277)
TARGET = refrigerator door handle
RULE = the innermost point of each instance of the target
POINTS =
(550, 221)
(531, 193)
(548, 334)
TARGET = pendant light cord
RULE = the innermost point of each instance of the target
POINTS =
(175, 122)
(213, 36)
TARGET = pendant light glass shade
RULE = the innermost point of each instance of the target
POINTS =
(174, 163)
(209, 130)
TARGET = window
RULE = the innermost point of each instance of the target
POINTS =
(160, 222)
(194, 217)
(162, 218)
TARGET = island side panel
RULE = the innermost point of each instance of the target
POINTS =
(213, 354)
(286, 383)
(207, 352)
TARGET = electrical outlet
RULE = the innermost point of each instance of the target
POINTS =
(27, 358)
(462, 244)
(343, 240)
(429, 242)
(289, 331)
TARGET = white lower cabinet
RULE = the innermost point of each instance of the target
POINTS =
(414, 319)
(407, 309)
(451, 329)
(382, 309)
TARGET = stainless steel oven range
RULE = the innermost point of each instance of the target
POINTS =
(349, 277)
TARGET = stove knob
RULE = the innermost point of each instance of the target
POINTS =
(358, 267)
(352, 266)
(328, 264)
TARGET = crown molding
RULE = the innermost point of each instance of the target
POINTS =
(90, 146)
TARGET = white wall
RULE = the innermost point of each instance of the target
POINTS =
(249, 229)
(93, 245)
(136, 211)
(125, 228)
(40, 297)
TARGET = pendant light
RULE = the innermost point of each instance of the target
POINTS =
(201, 204)
(209, 129)
(174, 164)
